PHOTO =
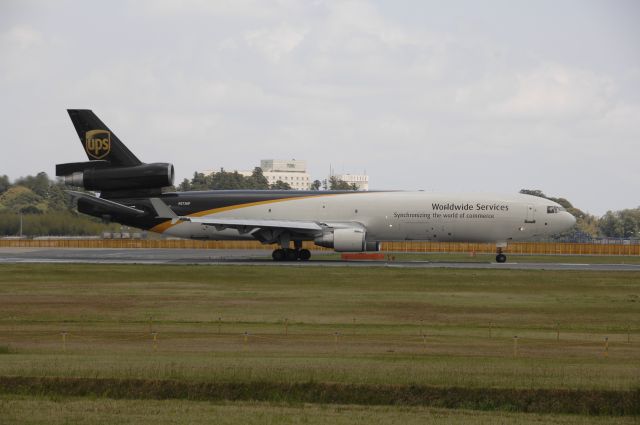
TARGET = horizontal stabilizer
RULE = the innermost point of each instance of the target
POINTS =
(109, 206)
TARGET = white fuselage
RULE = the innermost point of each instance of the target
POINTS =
(396, 216)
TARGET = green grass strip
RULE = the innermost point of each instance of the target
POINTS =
(584, 402)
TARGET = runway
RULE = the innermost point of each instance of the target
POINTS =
(260, 258)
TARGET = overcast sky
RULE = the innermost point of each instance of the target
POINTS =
(477, 96)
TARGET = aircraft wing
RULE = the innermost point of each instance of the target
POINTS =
(232, 222)
(242, 225)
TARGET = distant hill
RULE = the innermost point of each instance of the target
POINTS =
(46, 210)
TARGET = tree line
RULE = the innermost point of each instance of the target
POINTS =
(232, 180)
(38, 206)
(45, 209)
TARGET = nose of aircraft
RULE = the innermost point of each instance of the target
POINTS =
(568, 220)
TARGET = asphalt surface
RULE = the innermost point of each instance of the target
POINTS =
(259, 258)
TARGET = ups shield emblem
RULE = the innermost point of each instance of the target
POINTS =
(97, 143)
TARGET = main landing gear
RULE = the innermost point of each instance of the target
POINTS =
(287, 254)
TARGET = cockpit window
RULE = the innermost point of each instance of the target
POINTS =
(554, 210)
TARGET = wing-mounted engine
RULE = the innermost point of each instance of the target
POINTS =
(346, 239)
(98, 176)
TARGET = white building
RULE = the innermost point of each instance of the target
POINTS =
(292, 172)
(360, 180)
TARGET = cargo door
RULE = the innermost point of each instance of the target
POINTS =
(531, 214)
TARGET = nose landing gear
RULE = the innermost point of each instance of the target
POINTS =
(500, 257)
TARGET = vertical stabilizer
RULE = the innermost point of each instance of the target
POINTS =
(98, 141)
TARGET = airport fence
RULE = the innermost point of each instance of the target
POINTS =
(554, 340)
(531, 248)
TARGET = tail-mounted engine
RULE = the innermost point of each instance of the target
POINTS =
(100, 176)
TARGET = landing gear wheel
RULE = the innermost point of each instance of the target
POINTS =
(291, 254)
(278, 255)
(304, 254)
(501, 258)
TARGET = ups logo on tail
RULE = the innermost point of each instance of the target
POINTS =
(97, 143)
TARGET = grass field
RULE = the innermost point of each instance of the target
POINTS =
(405, 328)
(39, 410)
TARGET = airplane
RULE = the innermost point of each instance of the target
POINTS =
(134, 194)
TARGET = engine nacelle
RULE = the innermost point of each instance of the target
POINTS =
(346, 240)
(144, 176)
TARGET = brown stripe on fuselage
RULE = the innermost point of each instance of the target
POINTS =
(164, 226)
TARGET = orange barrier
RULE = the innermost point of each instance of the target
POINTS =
(142, 243)
(549, 248)
(367, 256)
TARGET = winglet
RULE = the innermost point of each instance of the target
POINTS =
(163, 209)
